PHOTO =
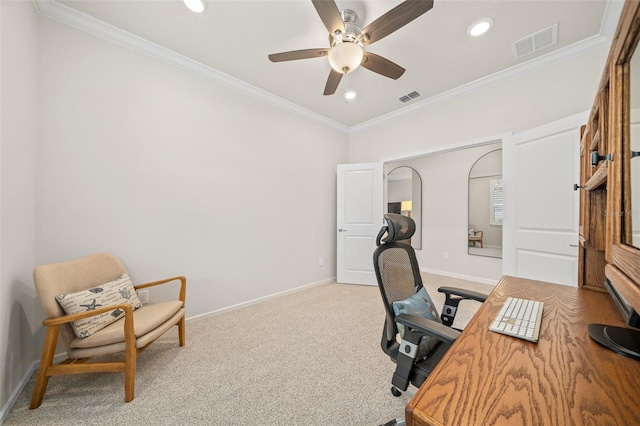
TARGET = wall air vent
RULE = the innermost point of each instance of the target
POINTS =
(534, 42)
(409, 96)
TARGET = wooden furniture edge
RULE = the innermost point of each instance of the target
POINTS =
(622, 283)
(594, 142)
(627, 260)
(598, 178)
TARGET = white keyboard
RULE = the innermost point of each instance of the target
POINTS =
(519, 318)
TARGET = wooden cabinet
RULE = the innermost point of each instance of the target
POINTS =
(594, 167)
(606, 250)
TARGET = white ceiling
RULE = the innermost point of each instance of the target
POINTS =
(235, 37)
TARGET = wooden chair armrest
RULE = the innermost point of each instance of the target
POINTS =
(183, 285)
(128, 310)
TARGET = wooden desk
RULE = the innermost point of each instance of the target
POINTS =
(566, 378)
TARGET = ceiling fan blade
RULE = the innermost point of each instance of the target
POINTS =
(298, 54)
(395, 19)
(332, 82)
(330, 15)
(382, 66)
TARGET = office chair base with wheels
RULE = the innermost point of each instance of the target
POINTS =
(395, 422)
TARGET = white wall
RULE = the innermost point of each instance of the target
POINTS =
(521, 103)
(18, 118)
(177, 175)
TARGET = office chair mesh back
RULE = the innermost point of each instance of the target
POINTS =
(399, 279)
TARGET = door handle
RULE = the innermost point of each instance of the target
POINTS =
(573, 245)
(342, 230)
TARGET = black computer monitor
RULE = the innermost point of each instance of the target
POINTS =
(623, 340)
(629, 314)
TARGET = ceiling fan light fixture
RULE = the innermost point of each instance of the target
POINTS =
(197, 6)
(345, 57)
(480, 27)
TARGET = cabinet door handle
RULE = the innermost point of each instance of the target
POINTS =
(573, 245)
(596, 158)
(342, 230)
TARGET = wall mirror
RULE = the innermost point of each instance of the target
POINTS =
(632, 201)
(485, 208)
(404, 196)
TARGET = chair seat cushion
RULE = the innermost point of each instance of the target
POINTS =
(419, 304)
(114, 292)
(145, 319)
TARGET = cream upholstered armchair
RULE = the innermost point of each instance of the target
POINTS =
(93, 305)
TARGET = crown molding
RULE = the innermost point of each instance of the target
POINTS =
(82, 21)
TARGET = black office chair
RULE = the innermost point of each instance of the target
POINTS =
(426, 336)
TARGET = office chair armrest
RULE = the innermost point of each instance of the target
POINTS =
(453, 296)
(464, 293)
(428, 327)
(416, 328)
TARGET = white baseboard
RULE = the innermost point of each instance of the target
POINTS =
(260, 299)
(23, 383)
(461, 276)
(17, 391)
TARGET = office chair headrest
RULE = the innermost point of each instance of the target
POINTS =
(398, 228)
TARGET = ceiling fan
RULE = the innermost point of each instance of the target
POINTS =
(347, 41)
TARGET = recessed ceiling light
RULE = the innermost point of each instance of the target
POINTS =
(480, 27)
(197, 6)
(350, 95)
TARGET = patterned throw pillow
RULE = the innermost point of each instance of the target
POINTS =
(114, 292)
(419, 304)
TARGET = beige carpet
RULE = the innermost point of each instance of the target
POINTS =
(308, 358)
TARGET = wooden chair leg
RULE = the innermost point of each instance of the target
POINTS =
(181, 332)
(130, 358)
(46, 360)
(129, 378)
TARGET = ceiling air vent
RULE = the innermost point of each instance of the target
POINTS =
(534, 42)
(409, 96)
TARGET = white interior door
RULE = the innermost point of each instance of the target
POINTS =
(359, 219)
(540, 226)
